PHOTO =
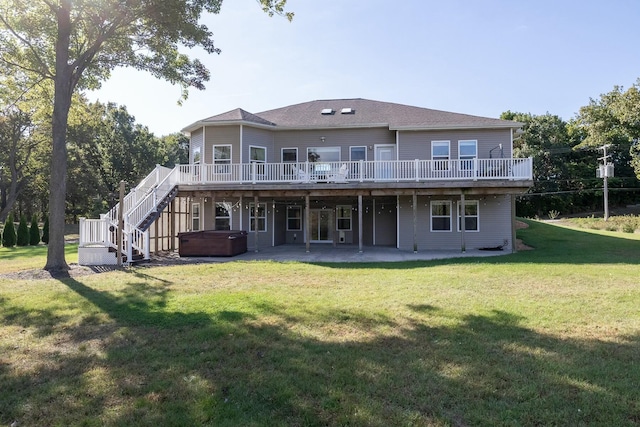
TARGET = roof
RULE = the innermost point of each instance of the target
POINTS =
(358, 113)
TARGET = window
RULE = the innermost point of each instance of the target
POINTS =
(357, 153)
(441, 216)
(289, 155)
(196, 155)
(440, 155)
(343, 217)
(223, 216)
(471, 216)
(259, 217)
(257, 154)
(222, 158)
(323, 154)
(294, 218)
(467, 152)
(195, 217)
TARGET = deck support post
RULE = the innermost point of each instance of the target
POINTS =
(307, 222)
(255, 220)
(415, 221)
(462, 223)
(213, 203)
(360, 223)
(119, 231)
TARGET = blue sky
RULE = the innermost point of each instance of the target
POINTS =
(467, 56)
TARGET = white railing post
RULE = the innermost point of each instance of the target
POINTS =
(129, 247)
(361, 163)
(147, 244)
(475, 169)
(253, 172)
(417, 169)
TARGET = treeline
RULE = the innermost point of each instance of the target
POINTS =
(566, 154)
(104, 146)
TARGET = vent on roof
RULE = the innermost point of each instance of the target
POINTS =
(327, 111)
(347, 111)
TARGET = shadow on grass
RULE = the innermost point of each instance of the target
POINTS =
(153, 366)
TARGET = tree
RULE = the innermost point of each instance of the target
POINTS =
(9, 233)
(614, 118)
(561, 172)
(23, 232)
(45, 231)
(34, 231)
(16, 147)
(77, 43)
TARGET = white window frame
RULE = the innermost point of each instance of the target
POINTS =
(298, 218)
(195, 216)
(432, 216)
(257, 160)
(337, 149)
(364, 147)
(196, 155)
(440, 162)
(466, 161)
(476, 216)
(288, 148)
(222, 165)
(345, 208)
(228, 207)
(252, 218)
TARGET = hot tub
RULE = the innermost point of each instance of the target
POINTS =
(212, 243)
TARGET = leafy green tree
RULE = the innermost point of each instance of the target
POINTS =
(76, 44)
(45, 231)
(614, 119)
(175, 150)
(561, 171)
(9, 233)
(23, 232)
(34, 231)
(16, 147)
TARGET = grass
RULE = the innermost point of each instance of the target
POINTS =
(623, 223)
(542, 337)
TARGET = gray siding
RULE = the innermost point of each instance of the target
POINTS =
(343, 138)
(260, 138)
(417, 145)
(494, 214)
(222, 135)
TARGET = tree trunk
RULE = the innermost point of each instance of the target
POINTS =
(58, 181)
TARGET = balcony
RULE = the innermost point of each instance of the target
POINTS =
(357, 171)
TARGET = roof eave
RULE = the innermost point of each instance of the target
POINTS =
(199, 124)
(453, 127)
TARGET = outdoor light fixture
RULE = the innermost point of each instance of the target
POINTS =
(322, 138)
(495, 148)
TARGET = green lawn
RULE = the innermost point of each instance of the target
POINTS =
(543, 337)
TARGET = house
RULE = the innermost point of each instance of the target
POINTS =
(341, 171)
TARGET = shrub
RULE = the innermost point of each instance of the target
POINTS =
(45, 231)
(23, 232)
(34, 232)
(9, 233)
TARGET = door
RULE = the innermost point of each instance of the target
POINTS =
(385, 161)
(321, 230)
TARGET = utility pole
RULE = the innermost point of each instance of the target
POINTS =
(604, 172)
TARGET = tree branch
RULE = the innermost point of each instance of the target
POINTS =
(45, 69)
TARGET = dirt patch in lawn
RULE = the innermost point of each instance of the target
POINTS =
(519, 245)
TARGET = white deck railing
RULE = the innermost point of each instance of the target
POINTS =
(146, 196)
(358, 171)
